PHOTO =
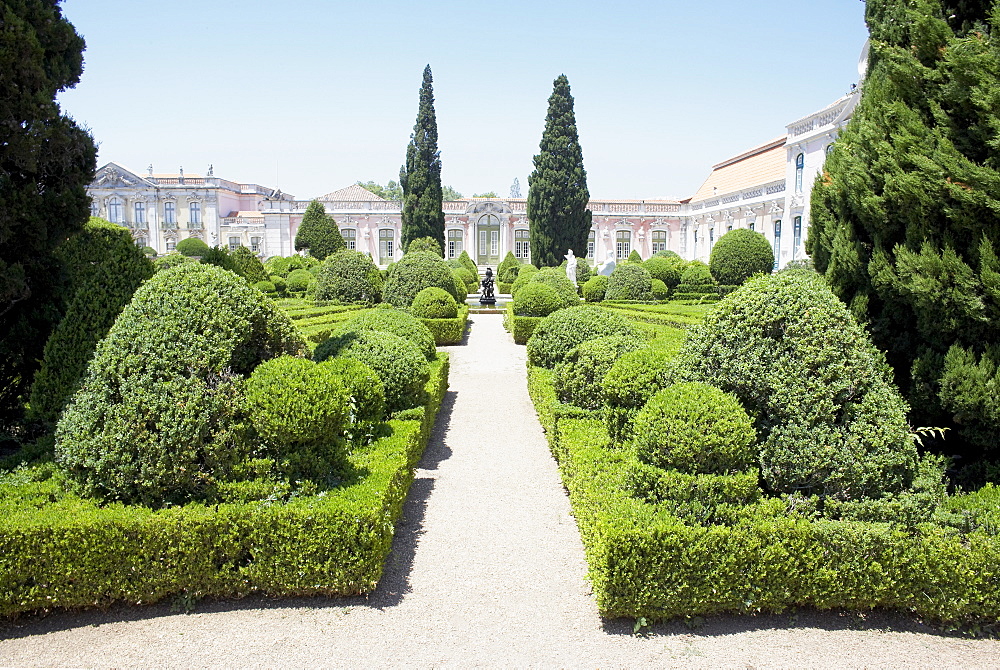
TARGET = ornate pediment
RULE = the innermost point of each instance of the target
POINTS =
(489, 206)
(115, 176)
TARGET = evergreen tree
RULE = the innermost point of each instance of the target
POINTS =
(906, 217)
(557, 189)
(420, 177)
(318, 232)
(249, 266)
(46, 161)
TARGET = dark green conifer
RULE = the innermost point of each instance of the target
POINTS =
(906, 216)
(318, 232)
(420, 177)
(557, 189)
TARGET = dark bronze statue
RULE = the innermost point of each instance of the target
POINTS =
(487, 297)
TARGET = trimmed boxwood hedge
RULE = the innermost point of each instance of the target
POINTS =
(629, 281)
(61, 551)
(350, 277)
(739, 255)
(415, 272)
(448, 331)
(553, 339)
(395, 321)
(434, 303)
(595, 288)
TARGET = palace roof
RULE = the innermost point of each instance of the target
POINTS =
(758, 166)
(352, 193)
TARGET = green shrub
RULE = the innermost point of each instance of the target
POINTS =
(192, 246)
(629, 281)
(739, 255)
(656, 486)
(318, 233)
(595, 288)
(425, 244)
(267, 288)
(557, 279)
(249, 266)
(564, 329)
(366, 391)
(219, 257)
(667, 254)
(507, 271)
(279, 284)
(629, 384)
(434, 303)
(468, 263)
(415, 272)
(350, 277)
(537, 299)
(634, 257)
(397, 322)
(579, 376)
(103, 269)
(149, 251)
(301, 410)
(829, 420)
(695, 428)
(523, 275)
(171, 261)
(160, 416)
(397, 362)
(659, 290)
(298, 281)
(447, 332)
(697, 274)
(284, 266)
(465, 279)
(667, 269)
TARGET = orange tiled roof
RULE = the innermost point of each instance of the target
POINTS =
(761, 165)
(353, 192)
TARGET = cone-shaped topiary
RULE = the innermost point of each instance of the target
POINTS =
(507, 271)
(318, 233)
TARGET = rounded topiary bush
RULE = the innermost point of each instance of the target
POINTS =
(564, 329)
(579, 376)
(103, 270)
(739, 255)
(697, 274)
(595, 288)
(659, 290)
(149, 251)
(397, 362)
(279, 284)
(415, 272)
(829, 420)
(465, 279)
(425, 244)
(350, 277)
(285, 265)
(171, 261)
(192, 246)
(634, 257)
(695, 428)
(160, 415)
(364, 387)
(560, 283)
(388, 319)
(298, 281)
(629, 281)
(301, 410)
(667, 269)
(524, 274)
(434, 303)
(667, 254)
(266, 287)
(632, 380)
(537, 299)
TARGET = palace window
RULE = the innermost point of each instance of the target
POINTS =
(140, 212)
(711, 237)
(753, 225)
(115, 210)
(591, 244)
(386, 237)
(800, 167)
(829, 148)
(796, 235)
(171, 246)
(141, 242)
(659, 240)
(623, 243)
(170, 213)
(195, 211)
(234, 243)
(95, 208)
(455, 245)
(255, 245)
(684, 239)
(350, 236)
(777, 243)
(522, 248)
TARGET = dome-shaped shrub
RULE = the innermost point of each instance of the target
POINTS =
(697, 273)
(171, 261)
(695, 428)
(415, 272)
(297, 282)
(667, 269)
(629, 384)
(557, 279)
(283, 266)
(595, 288)
(666, 254)
(739, 255)
(160, 415)
(149, 251)
(425, 244)
(388, 319)
(523, 276)
(829, 420)
(465, 279)
(350, 277)
(301, 410)
(579, 376)
(192, 246)
(267, 288)
(564, 329)
(434, 303)
(397, 362)
(363, 385)
(629, 281)
(660, 290)
(279, 284)
(537, 299)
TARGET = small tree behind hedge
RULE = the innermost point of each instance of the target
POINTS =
(739, 255)
(249, 266)
(220, 257)
(350, 277)
(468, 263)
(425, 244)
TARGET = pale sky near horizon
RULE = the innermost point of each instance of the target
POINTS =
(312, 96)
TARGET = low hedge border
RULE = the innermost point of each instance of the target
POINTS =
(449, 331)
(503, 288)
(73, 553)
(645, 562)
(520, 327)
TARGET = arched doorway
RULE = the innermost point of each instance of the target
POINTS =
(488, 240)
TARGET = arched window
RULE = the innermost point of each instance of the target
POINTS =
(796, 235)
(115, 210)
(800, 167)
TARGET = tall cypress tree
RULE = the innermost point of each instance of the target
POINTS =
(46, 161)
(318, 232)
(420, 177)
(557, 189)
(906, 216)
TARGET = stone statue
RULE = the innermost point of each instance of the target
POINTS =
(487, 297)
(609, 265)
(571, 267)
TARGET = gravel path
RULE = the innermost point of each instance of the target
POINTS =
(487, 569)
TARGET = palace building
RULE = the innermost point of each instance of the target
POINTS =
(765, 188)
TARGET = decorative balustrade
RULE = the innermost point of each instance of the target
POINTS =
(193, 226)
(775, 188)
(238, 221)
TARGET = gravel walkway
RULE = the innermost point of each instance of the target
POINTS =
(487, 569)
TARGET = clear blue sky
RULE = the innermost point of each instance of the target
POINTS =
(312, 96)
